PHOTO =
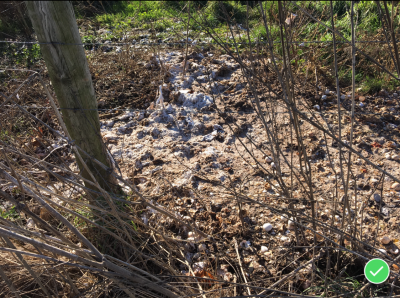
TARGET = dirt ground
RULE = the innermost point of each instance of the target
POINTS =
(191, 153)
(191, 157)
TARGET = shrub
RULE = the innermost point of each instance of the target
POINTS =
(219, 9)
(14, 20)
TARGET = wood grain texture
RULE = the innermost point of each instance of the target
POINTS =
(57, 32)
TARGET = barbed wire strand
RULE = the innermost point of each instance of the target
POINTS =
(184, 43)
(198, 112)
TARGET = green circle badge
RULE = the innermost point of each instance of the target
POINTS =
(376, 271)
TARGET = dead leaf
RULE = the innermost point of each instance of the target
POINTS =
(45, 214)
(290, 19)
(35, 142)
(376, 145)
(203, 274)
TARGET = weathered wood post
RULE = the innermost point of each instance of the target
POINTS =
(57, 31)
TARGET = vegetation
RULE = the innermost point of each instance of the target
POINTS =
(297, 212)
(10, 214)
(120, 17)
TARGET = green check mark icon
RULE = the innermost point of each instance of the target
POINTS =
(376, 271)
(374, 274)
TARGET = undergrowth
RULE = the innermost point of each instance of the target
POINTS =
(117, 21)
(160, 18)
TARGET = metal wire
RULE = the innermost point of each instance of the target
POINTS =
(183, 43)
(197, 112)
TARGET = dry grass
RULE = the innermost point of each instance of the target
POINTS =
(59, 241)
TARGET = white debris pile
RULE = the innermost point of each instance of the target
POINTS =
(194, 100)
(210, 152)
(161, 116)
(185, 179)
(160, 99)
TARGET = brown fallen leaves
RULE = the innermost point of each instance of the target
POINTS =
(203, 273)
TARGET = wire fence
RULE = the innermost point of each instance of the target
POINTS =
(191, 43)
(381, 115)
(139, 228)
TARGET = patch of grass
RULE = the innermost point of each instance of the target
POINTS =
(261, 32)
(347, 285)
(10, 214)
(4, 136)
(139, 12)
(345, 76)
(85, 212)
(371, 85)
(179, 5)
(25, 55)
(28, 55)
(134, 225)
(222, 11)
(88, 39)
(89, 9)
(160, 16)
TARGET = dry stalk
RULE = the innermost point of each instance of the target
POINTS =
(240, 265)
(187, 38)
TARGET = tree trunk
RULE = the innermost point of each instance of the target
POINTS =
(56, 28)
